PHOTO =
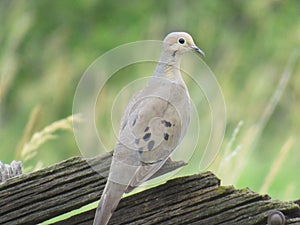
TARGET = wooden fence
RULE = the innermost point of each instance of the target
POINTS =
(198, 199)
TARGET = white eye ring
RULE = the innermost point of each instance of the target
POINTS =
(181, 41)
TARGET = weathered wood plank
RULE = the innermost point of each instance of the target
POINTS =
(42, 195)
(198, 199)
(195, 200)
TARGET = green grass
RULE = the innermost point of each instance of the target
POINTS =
(46, 47)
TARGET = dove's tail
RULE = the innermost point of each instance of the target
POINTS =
(109, 201)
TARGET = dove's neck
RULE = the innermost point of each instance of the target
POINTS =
(169, 67)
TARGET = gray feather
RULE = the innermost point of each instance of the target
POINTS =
(109, 201)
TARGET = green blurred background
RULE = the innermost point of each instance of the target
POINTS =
(47, 45)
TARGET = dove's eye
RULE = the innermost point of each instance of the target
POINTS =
(181, 41)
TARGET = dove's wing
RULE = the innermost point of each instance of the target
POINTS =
(152, 127)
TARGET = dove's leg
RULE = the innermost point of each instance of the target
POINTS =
(109, 201)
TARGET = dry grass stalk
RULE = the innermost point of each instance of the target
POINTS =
(275, 168)
(254, 133)
(29, 129)
(29, 150)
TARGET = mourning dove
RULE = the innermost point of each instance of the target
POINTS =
(153, 125)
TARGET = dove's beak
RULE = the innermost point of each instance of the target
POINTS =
(195, 48)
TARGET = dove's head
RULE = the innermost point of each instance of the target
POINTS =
(179, 43)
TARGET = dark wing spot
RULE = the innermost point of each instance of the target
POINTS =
(140, 150)
(134, 121)
(124, 125)
(137, 141)
(166, 136)
(173, 124)
(150, 145)
(166, 123)
(147, 136)
(146, 129)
